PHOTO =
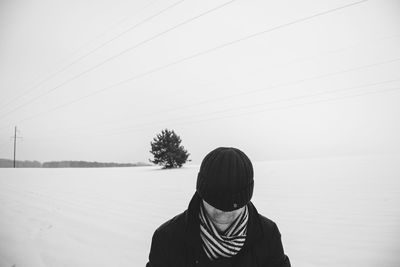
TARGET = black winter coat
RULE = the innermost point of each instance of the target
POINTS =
(177, 243)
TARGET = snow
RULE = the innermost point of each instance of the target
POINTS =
(331, 212)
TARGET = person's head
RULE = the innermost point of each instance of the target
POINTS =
(225, 182)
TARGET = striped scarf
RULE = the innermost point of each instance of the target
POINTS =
(227, 243)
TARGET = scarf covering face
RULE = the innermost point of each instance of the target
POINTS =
(225, 244)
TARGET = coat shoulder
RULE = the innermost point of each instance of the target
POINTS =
(165, 242)
(268, 226)
(173, 227)
(271, 238)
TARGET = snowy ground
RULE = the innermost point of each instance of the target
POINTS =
(331, 212)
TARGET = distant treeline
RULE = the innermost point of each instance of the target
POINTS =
(7, 163)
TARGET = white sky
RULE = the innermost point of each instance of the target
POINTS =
(304, 86)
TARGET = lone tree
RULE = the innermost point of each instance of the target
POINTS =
(167, 150)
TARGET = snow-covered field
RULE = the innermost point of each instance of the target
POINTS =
(331, 212)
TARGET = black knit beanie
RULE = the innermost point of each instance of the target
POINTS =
(225, 180)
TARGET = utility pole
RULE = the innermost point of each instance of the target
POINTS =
(15, 145)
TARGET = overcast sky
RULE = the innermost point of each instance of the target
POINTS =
(97, 80)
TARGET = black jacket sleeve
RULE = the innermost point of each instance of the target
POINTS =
(278, 257)
(157, 256)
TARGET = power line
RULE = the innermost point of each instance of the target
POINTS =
(184, 59)
(274, 86)
(202, 102)
(146, 126)
(271, 102)
(303, 96)
(294, 105)
(271, 87)
(278, 101)
(358, 68)
(118, 55)
(282, 85)
(278, 108)
(112, 27)
(47, 78)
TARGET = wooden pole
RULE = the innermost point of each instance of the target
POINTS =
(15, 143)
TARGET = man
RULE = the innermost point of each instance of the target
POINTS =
(221, 227)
